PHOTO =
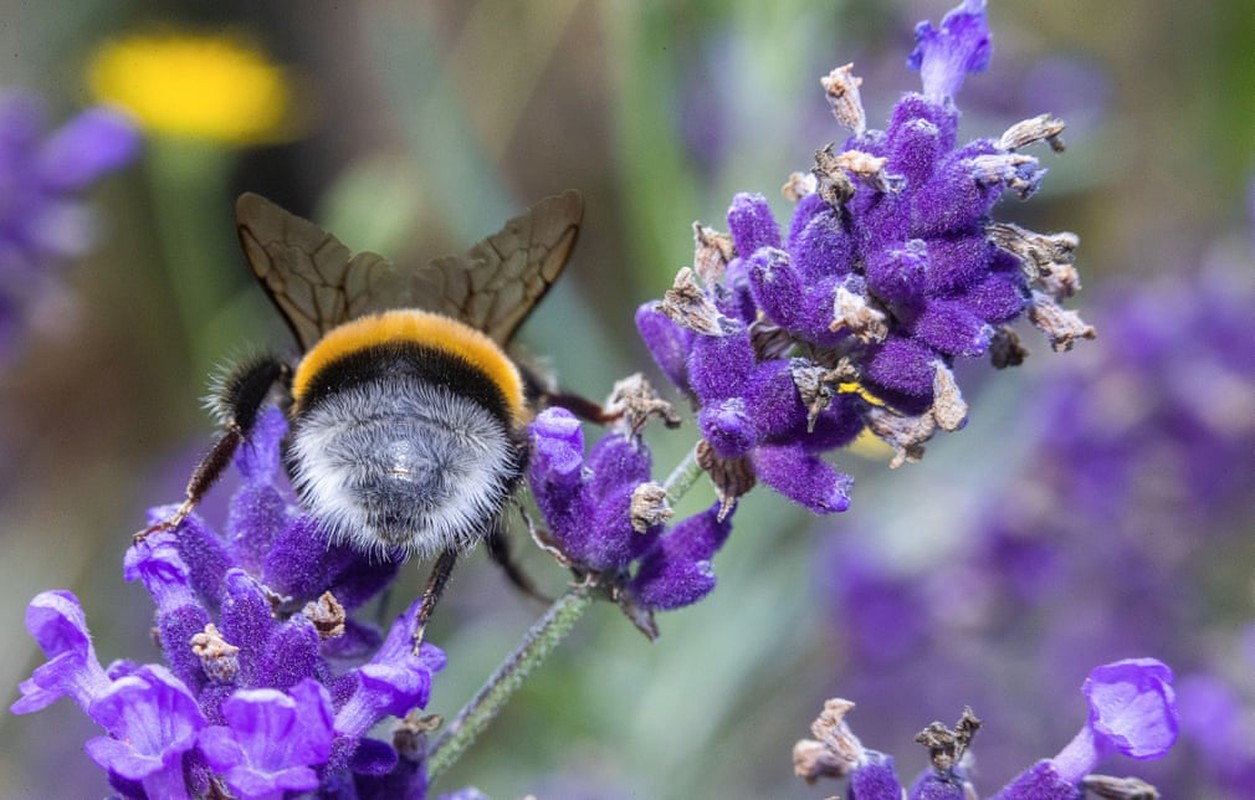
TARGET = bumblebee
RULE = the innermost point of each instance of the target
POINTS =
(407, 415)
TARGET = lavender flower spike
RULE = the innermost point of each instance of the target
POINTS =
(607, 520)
(258, 698)
(1132, 711)
(944, 56)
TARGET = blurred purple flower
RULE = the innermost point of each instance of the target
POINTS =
(42, 220)
(254, 626)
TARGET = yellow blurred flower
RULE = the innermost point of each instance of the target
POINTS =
(216, 87)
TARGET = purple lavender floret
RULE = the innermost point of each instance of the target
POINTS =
(43, 221)
(271, 740)
(152, 721)
(1132, 712)
(790, 343)
(602, 526)
(56, 621)
(258, 697)
(944, 56)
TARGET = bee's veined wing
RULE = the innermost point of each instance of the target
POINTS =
(313, 279)
(497, 284)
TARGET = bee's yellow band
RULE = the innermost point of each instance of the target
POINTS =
(422, 328)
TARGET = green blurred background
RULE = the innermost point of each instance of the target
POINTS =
(424, 126)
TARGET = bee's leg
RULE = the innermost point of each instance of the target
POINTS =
(440, 573)
(632, 403)
(541, 391)
(238, 399)
(499, 551)
(578, 405)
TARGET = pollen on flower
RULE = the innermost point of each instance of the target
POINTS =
(214, 87)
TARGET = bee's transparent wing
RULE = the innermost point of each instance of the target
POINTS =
(497, 284)
(317, 283)
(313, 279)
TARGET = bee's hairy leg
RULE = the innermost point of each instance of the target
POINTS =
(499, 552)
(440, 572)
(580, 406)
(238, 398)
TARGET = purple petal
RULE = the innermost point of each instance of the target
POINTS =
(662, 583)
(804, 478)
(616, 462)
(952, 199)
(898, 275)
(156, 562)
(825, 248)
(290, 655)
(958, 262)
(557, 446)
(677, 571)
(1132, 707)
(395, 681)
(407, 780)
(773, 404)
(298, 560)
(56, 620)
(373, 758)
(778, 287)
(247, 622)
(204, 555)
(719, 365)
(944, 56)
(271, 739)
(258, 514)
(919, 133)
(905, 366)
(931, 786)
(752, 224)
(950, 327)
(353, 579)
(152, 719)
(668, 343)
(999, 298)
(612, 542)
(726, 425)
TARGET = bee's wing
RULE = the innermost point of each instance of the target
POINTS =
(495, 286)
(313, 279)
